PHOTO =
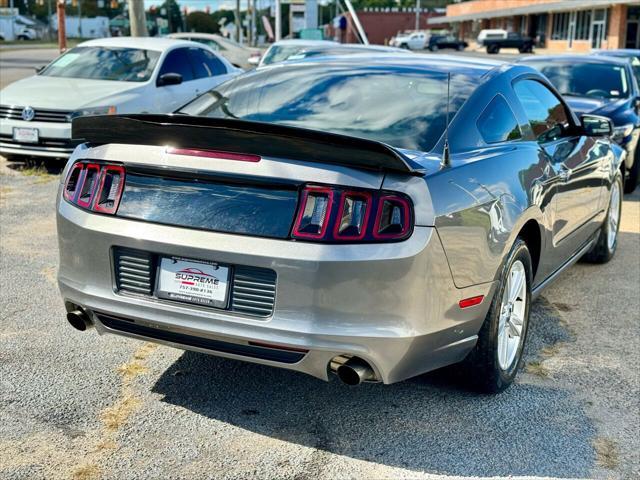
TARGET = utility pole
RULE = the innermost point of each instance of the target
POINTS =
(137, 19)
(254, 26)
(417, 15)
(62, 26)
(278, 22)
(13, 20)
(79, 18)
(49, 12)
(238, 23)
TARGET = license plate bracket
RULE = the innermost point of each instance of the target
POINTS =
(198, 282)
(26, 135)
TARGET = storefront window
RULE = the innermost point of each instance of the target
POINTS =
(560, 26)
(583, 24)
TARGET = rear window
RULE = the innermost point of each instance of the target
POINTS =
(402, 106)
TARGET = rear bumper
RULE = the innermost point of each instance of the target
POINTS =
(393, 305)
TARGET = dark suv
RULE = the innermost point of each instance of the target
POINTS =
(438, 42)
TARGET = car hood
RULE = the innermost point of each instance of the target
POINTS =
(596, 106)
(63, 93)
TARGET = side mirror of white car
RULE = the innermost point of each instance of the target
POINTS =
(169, 79)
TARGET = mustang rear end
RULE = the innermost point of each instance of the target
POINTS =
(288, 251)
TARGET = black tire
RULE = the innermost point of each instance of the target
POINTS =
(602, 252)
(433, 48)
(460, 47)
(631, 179)
(493, 49)
(481, 367)
(405, 46)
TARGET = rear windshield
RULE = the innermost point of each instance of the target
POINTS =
(597, 80)
(401, 106)
(105, 63)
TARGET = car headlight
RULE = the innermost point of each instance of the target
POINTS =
(622, 132)
(111, 110)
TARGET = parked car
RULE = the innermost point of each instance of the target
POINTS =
(410, 41)
(106, 76)
(486, 34)
(334, 50)
(632, 54)
(239, 55)
(283, 49)
(601, 85)
(512, 40)
(318, 216)
(438, 42)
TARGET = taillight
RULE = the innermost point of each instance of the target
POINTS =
(394, 217)
(96, 187)
(74, 180)
(334, 215)
(313, 214)
(89, 184)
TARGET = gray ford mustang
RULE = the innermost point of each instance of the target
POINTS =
(320, 216)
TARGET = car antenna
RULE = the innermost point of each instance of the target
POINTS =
(446, 154)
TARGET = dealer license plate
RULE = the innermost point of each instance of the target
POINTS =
(25, 135)
(193, 281)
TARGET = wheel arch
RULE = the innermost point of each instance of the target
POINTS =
(532, 236)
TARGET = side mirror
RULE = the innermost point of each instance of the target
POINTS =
(39, 69)
(169, 79)
(596, 126)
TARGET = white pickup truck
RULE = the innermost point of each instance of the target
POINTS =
(411, 41)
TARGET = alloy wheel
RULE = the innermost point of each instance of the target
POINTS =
(614, 215)
(512, 315)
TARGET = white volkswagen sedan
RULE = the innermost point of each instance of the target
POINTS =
(106, 76)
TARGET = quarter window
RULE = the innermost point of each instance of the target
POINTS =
(497, 123)
(177, 61)
(545, 112)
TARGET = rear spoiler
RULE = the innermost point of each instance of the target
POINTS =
(240, 136)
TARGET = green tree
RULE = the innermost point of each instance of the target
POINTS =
(202, 22)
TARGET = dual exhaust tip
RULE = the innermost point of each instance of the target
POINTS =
(79, 319)
(355, 371)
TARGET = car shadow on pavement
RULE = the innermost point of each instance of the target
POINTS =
(430, 423)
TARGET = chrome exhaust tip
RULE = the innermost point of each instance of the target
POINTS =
(79, 319)
(355, 371)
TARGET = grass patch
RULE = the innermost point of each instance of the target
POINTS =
(35, 171)
(86, 472)
(536, 368)
(551, 350)
(606, 453)
(117, 415)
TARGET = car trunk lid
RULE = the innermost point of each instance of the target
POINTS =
(234, 177)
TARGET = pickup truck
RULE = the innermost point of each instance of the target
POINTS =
(513, 40)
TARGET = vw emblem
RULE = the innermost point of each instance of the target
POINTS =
(28, 113)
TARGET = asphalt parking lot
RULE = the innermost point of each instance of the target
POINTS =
(76, 405)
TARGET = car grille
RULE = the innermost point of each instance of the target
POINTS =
(134, 271)
(41, 115)
(253, 289)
